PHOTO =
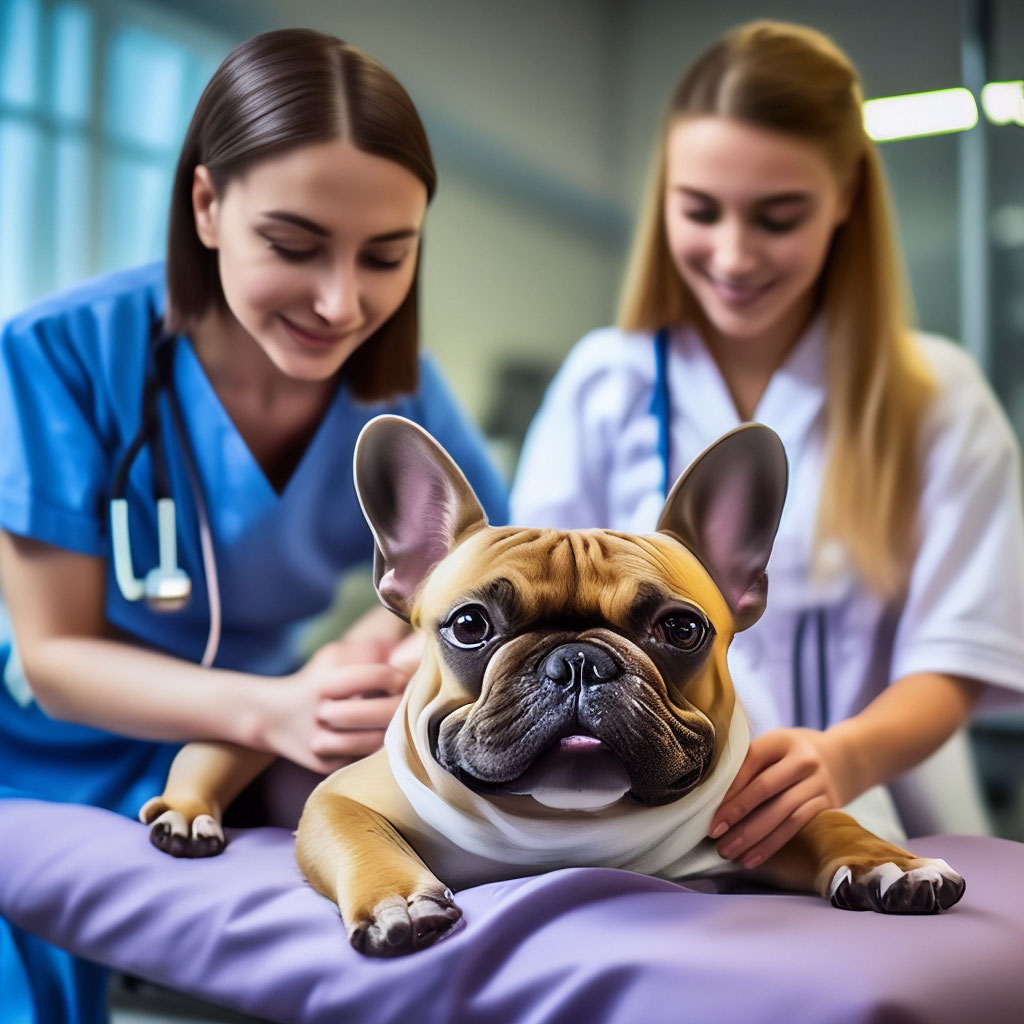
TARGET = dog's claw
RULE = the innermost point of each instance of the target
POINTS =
(928, 888)
(399, 926)
(172, 834)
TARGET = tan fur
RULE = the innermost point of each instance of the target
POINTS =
(204, 778)
(833, 839)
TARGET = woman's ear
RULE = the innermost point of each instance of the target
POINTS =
(205, 206)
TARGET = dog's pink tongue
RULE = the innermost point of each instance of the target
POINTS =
(579, 774)
(575, 743)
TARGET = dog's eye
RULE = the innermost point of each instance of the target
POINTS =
(468, 627)
(684, 630)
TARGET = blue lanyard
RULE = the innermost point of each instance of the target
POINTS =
(660, 406)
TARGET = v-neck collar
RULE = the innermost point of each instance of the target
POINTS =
(794, 396)
(211, 424)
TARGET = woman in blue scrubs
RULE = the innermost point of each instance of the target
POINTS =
(286, 316)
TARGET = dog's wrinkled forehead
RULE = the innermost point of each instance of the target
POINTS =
(590, 574)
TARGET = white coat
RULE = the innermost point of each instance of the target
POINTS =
(821, 652)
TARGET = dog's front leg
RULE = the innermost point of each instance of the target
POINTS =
(854, 869)
(389, 900)
(204, 779)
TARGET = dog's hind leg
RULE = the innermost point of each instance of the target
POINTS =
(389, 900)
(204, 779)
(854, 869)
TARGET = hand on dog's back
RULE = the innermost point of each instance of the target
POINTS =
(407, 653)
(788, 777)
(335, 708)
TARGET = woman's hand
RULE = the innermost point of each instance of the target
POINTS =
(407, 653)
(335, 708)
(788, 777)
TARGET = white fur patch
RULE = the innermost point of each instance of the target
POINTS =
(204, 827)
(668, 841)
(885, 874)
(843, 874)
(175, 822)
(932, 870)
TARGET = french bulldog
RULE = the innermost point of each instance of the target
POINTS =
(573, 706)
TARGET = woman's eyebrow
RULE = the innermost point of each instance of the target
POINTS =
(299, 222)
(396, 236)
(784, 198)
(777, 198)
(694, 193)
(322, 232)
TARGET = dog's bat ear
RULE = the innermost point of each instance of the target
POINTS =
(417, 502)
(726, 507)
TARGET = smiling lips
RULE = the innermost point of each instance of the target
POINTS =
(313, 339)
(736, 293)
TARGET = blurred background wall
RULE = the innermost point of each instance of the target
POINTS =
(542, 115)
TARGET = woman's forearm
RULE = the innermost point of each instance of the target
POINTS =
(81, 670)
(137, 692)
(906, 723)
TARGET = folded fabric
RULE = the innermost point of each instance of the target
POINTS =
(244, 930)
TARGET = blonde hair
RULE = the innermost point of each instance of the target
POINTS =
(794, 80)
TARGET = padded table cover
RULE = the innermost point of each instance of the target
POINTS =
(244, 930)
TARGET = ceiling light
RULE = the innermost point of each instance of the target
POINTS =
(1003, 102)
(920, 113)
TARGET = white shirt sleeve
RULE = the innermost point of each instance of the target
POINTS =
(964, 610)
(565, 471)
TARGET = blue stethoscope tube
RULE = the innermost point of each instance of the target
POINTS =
(660, 409)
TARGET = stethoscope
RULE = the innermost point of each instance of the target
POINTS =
(166, 587)
(660, 409)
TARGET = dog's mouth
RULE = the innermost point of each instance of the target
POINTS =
(577, 772)
(576, 726)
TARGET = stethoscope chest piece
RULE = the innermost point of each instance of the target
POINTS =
(166, 587)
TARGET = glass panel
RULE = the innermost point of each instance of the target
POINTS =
(20, 164)
(71, 68)
(20, 34)
(73, 254)
(134, 201)
(144, 88)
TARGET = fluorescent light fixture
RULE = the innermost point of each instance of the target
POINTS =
(920, 113)
(1003, 102)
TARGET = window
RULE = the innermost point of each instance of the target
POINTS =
(95, 98)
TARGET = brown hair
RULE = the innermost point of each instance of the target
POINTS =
(794, 80)
(274, 92)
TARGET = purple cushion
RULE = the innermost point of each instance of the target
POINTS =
(243, 930)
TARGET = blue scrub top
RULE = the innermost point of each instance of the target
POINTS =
(71, 379)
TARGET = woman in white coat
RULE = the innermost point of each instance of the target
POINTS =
(765, 285)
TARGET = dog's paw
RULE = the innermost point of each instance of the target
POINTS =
(926, 886)
(174, 834)
(397, 925)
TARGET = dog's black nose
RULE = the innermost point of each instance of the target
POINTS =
(581, 664)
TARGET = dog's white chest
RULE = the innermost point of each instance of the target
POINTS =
(669, 841)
